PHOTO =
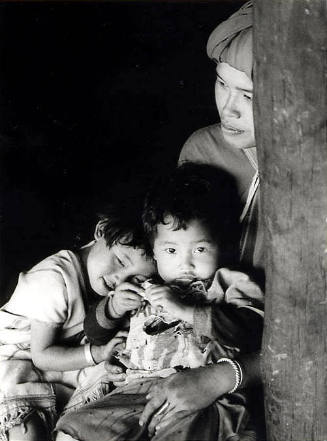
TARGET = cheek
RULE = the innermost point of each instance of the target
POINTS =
(212, 261)
(162, 263)
(164, 267)
(220, 98)
(107, 267)
(248, 114)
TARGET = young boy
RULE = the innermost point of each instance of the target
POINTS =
(43, 349)
(195, 313)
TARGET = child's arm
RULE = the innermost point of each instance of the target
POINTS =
(231, 325)
(103, 319)
(47, 354)
(236, 315)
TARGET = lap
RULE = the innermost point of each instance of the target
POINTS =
(116, 418)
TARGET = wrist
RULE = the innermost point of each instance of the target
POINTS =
(88, 354)
(114, 310)
(235, 375)
(97, 353)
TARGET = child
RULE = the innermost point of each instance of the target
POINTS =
(43, 350)
(196, 313)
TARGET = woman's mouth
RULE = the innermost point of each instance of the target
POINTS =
(231, 130)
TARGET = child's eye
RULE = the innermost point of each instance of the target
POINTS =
(200, 250)
(120, 262)
(170, 250)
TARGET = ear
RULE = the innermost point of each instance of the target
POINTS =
(99, 229)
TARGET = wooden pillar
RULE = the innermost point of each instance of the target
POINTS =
(290, 120)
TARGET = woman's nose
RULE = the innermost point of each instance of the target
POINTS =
(231, 107)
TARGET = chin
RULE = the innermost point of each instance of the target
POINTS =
(100, 290)
(239, 143)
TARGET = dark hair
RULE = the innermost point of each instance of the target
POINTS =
(197, 191)
(122, 223)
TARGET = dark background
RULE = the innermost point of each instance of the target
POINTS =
(93, 97)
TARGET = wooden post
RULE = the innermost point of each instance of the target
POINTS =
(290, 119)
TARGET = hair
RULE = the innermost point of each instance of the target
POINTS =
(197, 191)
(122, 223)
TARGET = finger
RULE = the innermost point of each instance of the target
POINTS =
(112, 368)
(120, 347)
(149, 409)
(117, 378)
(154, 289)
(157, 417)
(120, 382)
(167, 418)
(129, 295)
(130, 302)
(138, 279)
(122, 333)
(113, 343)
(127, 286)
(155, 300)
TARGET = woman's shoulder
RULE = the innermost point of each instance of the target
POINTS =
(205, 145)
(210, 134)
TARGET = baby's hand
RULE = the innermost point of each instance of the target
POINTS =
(164, 297)
(126, 298)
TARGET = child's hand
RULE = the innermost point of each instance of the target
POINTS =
(164, 297)
(126, 298)
(107, 351)
(116, 374)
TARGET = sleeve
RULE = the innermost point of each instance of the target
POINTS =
(42, 295)
(188, 152)
(99, 327)
(230, 325)
(235, 316)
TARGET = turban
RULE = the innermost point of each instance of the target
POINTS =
(231, 41)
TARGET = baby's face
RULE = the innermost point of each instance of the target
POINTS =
(108, 267)
(185, 255)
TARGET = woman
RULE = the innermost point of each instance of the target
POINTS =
(230, 145)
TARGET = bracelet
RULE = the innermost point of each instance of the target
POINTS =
(237, 371)
(88, 354)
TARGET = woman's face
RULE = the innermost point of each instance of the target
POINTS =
(234, 91)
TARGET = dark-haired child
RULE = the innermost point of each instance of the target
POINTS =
(43, 349)
(195, 313)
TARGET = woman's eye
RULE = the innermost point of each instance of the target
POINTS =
(248, 97)
(170, 250)
(200, 249)
(220, 82)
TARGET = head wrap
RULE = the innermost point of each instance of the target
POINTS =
(231, 41)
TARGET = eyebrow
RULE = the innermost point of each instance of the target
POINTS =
(125, 256)
(167, 242)
(237, 88)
